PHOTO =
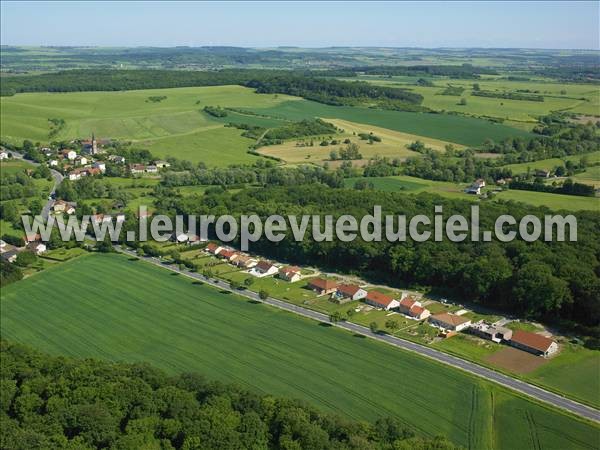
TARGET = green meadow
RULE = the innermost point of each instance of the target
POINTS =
(132, 311)
(577, 98)
(175, 126)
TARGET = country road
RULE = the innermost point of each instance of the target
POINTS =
(58, 178)
(470, 367)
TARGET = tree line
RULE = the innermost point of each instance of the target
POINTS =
(59, 402)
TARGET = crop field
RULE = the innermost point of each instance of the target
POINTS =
(175, 126)
(457, 129)
(578, 98)
(414, 185)
(133, 311)
(393, 145)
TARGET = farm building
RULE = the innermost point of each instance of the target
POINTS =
(413, 308)
(321, 286)
(348, 292)
(533, 343)
(450, 321)
(263, 269)
(491, 332)
(290, 273)
(379, 300)
(213, 248)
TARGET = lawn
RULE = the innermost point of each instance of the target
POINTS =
(133, 311)
(176, 126)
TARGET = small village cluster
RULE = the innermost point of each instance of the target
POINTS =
(91, 160)
(449, 324)
(33, 243)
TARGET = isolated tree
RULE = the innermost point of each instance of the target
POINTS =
(392, 324)
(26, 258)
(374, 327)
(263, 294)
(462, 102)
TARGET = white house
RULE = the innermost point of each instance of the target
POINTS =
(290, 273)
(263, 269)
(53, 162)
(81, 160)
(349, 292)
(69, 154)
(449, 321)
(37, 247)
(382, 301)
(3, 155)
(101, 166)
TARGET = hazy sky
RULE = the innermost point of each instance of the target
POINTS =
(310, 24)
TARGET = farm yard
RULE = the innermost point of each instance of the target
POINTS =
(180, 325)
(413, 185)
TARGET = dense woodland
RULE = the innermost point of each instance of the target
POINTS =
(548, 280)
(48, 402)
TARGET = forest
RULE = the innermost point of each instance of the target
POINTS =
(58, 402)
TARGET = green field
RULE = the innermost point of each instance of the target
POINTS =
(578, 98)
(175, 126)
(133, 311)
(414, 185)
(549, 164)
(453, 128)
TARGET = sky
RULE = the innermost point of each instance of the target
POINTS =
(538, 24)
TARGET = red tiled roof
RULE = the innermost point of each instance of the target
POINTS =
(532, 340)
(379, 298)
(416, 310)
(290, 271)
(348, 289)
(226, 253)
(264, 266)
(321, 284)
(211, 247)
(408, 302)
(451, 319)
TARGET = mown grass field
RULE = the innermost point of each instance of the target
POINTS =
(133, 311)
(175, 126)
(549, 164)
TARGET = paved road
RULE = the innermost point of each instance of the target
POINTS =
(58, 178)
(475, 369)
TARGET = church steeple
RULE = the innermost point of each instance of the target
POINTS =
(94, 145)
